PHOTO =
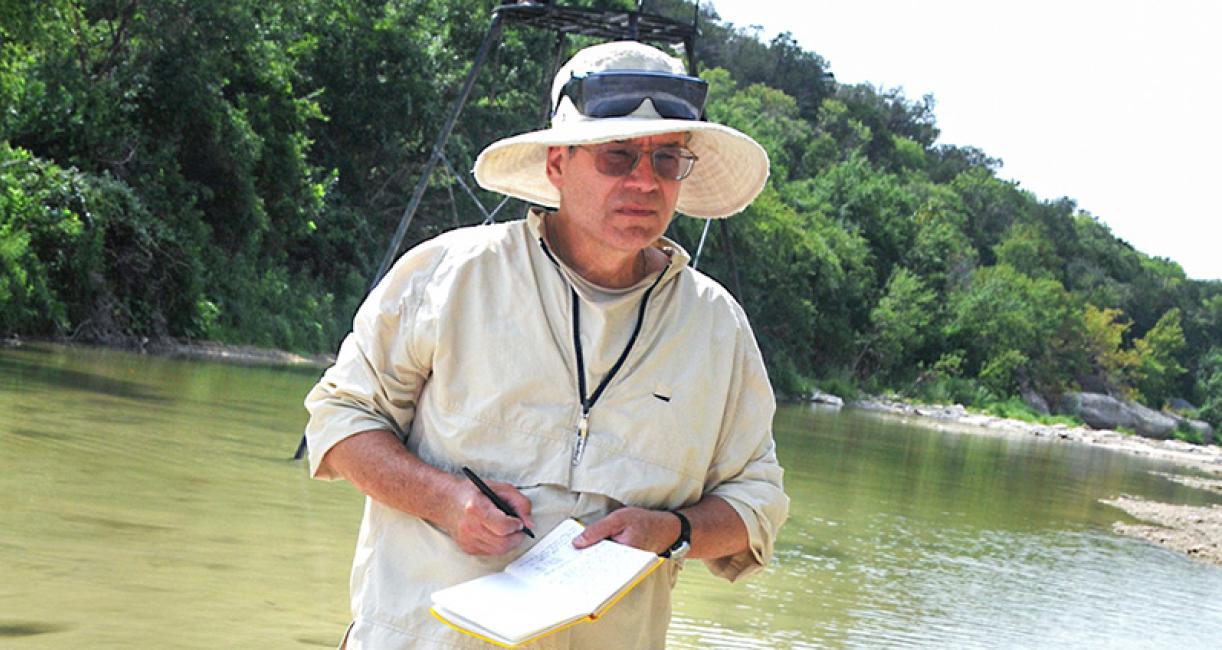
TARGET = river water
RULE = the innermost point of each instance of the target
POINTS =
(149, 503)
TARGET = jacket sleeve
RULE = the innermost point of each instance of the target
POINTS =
(745, 472)
(382, 364)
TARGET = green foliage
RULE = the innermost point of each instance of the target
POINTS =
(267, 138)
(1103, 338)
(871, 203)
(943, 382)
(941, 252)
(1002, 315)
(1001, 373)
(1027, 249)
(1209, 386)
(1157, 367)
(768, 115)
(233, 170)
(840, 383)
(1013, 408)
(1185, 433)
(80, 254)
(899, 323)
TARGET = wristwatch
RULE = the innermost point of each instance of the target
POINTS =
(679, 549)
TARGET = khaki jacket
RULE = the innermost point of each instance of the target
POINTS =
(465, 350)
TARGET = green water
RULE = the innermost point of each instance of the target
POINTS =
(148, 503)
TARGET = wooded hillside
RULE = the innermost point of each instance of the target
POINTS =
(233, 170)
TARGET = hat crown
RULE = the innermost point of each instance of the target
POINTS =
(608, 57)
(733, 168)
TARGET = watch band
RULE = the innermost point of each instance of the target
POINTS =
(685, 534)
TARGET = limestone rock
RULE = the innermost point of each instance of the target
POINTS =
(1204, 429)
(819, 397)
(1180, 405)
(1106, 412)
(1036, 403)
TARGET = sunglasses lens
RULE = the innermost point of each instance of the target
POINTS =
(674, 163)
(618, 161)
(615, 94)
(666, 163)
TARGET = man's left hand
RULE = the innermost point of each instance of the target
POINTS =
(649, 530)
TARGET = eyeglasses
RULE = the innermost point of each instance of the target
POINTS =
(670, 162)
(619, 93)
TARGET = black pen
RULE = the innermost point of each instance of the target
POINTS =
(496, 500)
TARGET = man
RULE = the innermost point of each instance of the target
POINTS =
(573, 360)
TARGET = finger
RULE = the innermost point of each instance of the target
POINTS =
(521, 505)
(519, 502)
(481, 519)
(604, 528)
(478, 539)
(499, 524)
(492, 546)
(489, 517)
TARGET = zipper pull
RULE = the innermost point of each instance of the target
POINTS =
(583, 432)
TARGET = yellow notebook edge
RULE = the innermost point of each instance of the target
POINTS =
(456, 626)
(627, 589)
(564, 626)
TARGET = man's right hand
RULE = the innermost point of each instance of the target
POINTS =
(478, 526)
(378, 464)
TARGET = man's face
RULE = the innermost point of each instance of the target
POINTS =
(617, 214)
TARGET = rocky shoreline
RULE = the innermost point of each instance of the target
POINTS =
(1193, 530)
(180, 349)
(1207, 458)
(237, 354)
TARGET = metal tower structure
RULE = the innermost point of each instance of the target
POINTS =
(610, 24)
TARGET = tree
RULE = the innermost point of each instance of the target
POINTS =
(1027, 249)
(1103, 336)
(767, 115)
(948, 161)
(940, 253)
(1002, 313)
(1209, 387)
(872, 203)
(1158, 368)
(899, 324)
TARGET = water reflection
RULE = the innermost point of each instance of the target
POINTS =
(146, 499)
(907, 537)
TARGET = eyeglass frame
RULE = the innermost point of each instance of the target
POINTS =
(683, 153)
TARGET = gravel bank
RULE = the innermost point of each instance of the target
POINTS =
(1207, 458)
(1193, 530)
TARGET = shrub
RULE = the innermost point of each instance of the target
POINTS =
(838, 383)
(80, 256)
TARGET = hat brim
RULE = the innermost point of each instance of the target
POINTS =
(731, 171)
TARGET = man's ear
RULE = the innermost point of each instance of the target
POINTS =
(555, 167)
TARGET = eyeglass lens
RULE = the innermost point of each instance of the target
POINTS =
(673, 163)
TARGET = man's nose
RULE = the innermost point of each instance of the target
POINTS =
(642, 177)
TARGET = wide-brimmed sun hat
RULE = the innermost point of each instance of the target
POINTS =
(730, 171)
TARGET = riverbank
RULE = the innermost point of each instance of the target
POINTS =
(203, 350)
(1195, 531)
(1206, 458)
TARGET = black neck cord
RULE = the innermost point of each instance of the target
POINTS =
(587, 403)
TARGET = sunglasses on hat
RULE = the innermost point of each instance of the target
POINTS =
(619, 93)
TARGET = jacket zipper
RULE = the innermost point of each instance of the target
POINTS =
(587, 402)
